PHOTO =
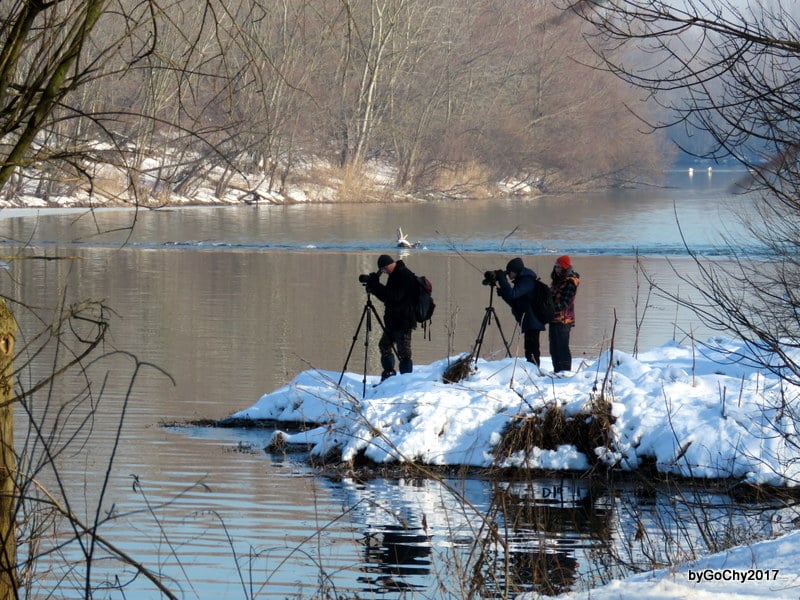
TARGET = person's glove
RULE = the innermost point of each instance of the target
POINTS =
(372, 281)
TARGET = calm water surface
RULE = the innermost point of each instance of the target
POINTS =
(230, 303)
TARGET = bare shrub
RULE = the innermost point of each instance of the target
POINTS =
(548, 428)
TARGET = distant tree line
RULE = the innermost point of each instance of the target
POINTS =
(451, 93)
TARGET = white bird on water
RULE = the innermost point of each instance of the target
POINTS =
(402, 240)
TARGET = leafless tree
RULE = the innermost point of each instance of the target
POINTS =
(71, 103)
(89, 88)
(137, 100)
(729, 72)
(505, 91)
(546, 111)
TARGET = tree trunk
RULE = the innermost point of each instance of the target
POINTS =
(8, 467)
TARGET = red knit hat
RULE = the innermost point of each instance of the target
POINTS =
(564, 262)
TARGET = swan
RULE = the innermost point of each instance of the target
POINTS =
(402, 240)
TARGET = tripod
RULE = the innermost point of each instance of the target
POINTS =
(366, 316)
(487, 319)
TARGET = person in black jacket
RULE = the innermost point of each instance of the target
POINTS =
(399, 295)
(520, 298)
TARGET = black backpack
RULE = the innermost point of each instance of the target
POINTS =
(543, 306)
(423, 310)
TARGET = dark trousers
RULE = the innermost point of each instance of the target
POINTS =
(401, 341)
(559, 346)
(532, 351)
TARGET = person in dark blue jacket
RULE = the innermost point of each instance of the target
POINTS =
(520, 298)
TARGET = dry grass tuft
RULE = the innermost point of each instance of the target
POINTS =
(355, 186)
(464, 181)
(278, 443)
(548, 428)
(350, 183)
(459, 370)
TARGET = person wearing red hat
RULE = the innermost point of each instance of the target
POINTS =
(565, 282)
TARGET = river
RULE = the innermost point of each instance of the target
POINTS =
(221, 305)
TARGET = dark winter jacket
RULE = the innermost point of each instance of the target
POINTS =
(399, 296)
(564, 289)
(520, 298)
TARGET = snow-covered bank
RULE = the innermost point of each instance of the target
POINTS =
(767, 569)
(313, 181)
(708, 411)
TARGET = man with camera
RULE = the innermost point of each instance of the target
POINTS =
(520, 298)
(399, 295)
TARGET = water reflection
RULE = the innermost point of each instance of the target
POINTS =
(548, 525)
(392, 552)
(488, 538)
(545, 535)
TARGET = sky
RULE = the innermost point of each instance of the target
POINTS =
(707, 410)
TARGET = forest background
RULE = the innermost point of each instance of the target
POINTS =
(130, 101)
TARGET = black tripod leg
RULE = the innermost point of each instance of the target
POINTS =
(366, 347)
(383, 329)
(377, 316)
(352, 345)
(367, 313)
(476, 350)
(502, 335)
(487, 318)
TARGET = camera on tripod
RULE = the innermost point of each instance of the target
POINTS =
(491, 277)
(365, 277)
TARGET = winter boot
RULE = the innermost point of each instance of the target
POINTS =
(387, 362)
